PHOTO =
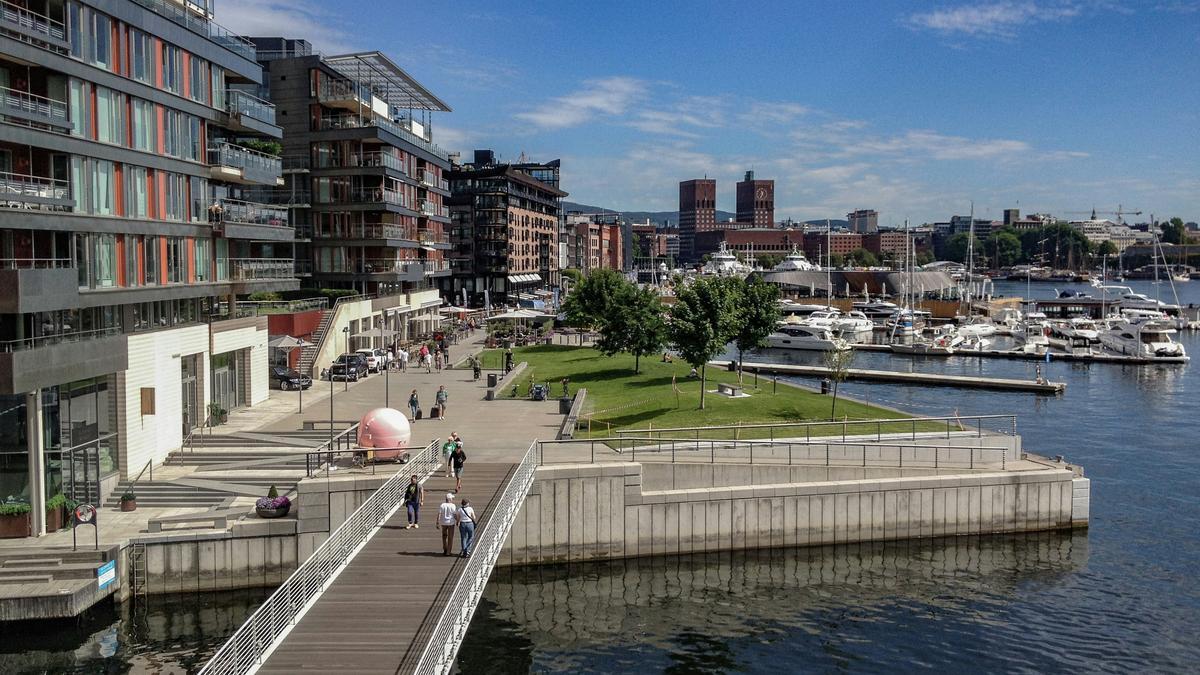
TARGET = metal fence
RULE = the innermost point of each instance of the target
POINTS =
(447, 635)
(246, 649)
(817, 452)
(846, 429)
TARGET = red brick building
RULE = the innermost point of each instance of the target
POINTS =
(697, 212)
(840, 243)
(756, 201)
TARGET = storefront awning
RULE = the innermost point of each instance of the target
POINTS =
(524, 278)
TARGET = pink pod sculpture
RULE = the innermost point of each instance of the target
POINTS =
(386, 432)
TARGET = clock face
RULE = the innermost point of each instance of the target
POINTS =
(762, 193)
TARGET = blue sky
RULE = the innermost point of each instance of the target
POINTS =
(913, 109)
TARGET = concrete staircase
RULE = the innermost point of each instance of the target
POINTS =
(51, 582)
(41, 565)
(309, 354)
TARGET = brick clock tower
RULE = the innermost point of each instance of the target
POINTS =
(756, 201)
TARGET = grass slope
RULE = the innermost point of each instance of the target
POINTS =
(617, 398)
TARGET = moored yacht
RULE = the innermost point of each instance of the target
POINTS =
(854, 322)
(801, 336)
(795, 262)
(724, 263)
(877, 310)
(1145, 338)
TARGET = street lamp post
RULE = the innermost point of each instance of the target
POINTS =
(346, 332)
(387, 372)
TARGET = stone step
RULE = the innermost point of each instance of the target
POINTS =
(25, 579)
(64, 555)
(31, 562)
(67, 571)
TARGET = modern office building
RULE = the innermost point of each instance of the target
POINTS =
(863, 221)
(131, 138)
(697, 212)
(505, 229)
(756, 201)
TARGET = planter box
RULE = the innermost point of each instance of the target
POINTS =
(54, 520)
(130, 505)
(273, 513)
(14, 527)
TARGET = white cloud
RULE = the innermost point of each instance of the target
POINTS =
(607, 96)
(291, 19)
(995, 20)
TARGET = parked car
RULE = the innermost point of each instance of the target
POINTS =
(287, 379)
(348, 367)
(373, 363)
(385, 359)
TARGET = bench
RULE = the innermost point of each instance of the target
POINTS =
(729, 389)
(219, 520)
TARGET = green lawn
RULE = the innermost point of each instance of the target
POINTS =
(619, 399)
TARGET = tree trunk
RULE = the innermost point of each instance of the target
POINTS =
(739, 365)
(702, 374)
(833, 407)
(637, 363)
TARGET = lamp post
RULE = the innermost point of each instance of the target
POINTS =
(346, 332)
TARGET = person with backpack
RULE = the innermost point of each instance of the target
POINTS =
(414, 406)
(466, 526)
(457, 459)
(414, 497)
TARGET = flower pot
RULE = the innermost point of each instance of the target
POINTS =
(14, 526)
(129, 505)
(273, 513)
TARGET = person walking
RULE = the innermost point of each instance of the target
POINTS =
(414, 406)
(448, 449)
(457, 460)
(447, 519)
(403, 354)
(466, 527)
(440, 399)
(437, 359)
(414, 497)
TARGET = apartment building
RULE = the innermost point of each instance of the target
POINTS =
(505, 229)
(131, 140)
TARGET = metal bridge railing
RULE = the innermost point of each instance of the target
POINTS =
(247, 648)
(443, 643)
(914, 427)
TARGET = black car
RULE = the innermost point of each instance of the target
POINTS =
(288, 379)
(349, 367)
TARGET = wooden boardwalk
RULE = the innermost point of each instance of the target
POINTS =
(376, 616)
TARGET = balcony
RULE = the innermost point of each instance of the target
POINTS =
(33, 108)
(252, 213)
(393, 269)
(364, 195)
(200, 23)
(35, 192)
(38, 28)
(433, 181)
(344, 94)
(361, 121)
(250, 113)
(32, 363)
(365, 160)
(433, 238)
(435, 267)
(429, 208)
(233, 163)
(256, 269)
(369, 231)
(286, 196)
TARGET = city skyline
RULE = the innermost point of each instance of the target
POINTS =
(1073, 105)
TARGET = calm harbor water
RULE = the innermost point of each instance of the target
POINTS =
(1123, 596)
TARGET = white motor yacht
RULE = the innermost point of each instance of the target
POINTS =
(854, 322)
(1131, 300)
(724, 263)
(796, 311)
(800, 336)
(826, 318)
(1033, 334)
(878, 310)
(1145, 338)
(977, 326)
(795, 262)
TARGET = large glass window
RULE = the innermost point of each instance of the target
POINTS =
(176, 197)
(131, 244)
(202, 259)
(81, 108)
(172, 65)
(145, 126)
(199, 85)
(101, 54)
(136, 201)
(104, 260)
(104, 202)
(110, 116)
(176, 260)
(151, 266)
(218, 87)
(141, 47)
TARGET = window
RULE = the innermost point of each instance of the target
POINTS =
(199, 192)
(222, 259)
(181, 136)
(101, 54)
(176, 260)
(104, 259)
(202, 258)
(142, 50)
(176, 197)
(136, 202)
(151, 248)
(172, 66)
(199, 88)
(218, 87)
(110, 116)
(81, 108)
(145, 126)
(132, 243)
(104, 188)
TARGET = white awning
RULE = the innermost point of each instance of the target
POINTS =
(524, 278)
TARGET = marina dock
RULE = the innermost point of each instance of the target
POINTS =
(930, 379)
(1025, 356)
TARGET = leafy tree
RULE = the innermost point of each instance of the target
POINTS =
(769, 260)
(592, 297)
(863, 257)
(836, 260)
(1003, 247)
(574, 275)
(1173, 232)
(1107, 248)
(758, 313)
(703, 320)
(924, 258)
(633, 324)
(838, 361)
(956, 247)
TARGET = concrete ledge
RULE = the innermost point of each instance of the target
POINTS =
(505, 381)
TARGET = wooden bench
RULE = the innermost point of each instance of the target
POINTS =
(219, 520)
(729, 389)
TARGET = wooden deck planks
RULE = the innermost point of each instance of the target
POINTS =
(377, 614)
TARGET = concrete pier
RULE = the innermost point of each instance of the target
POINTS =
(934, 379)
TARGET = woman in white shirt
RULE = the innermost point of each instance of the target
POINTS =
(447, 519)
(466, 526)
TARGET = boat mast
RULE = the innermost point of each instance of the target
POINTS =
(828, 265)
(970, 256)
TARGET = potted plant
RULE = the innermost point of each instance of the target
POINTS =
(14, 520)
(129, 501)
(272, 506)
(217, 414)
(57, 508)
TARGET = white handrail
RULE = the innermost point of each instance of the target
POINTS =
(245, 649)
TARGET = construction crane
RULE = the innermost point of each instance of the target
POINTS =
(1120, 213)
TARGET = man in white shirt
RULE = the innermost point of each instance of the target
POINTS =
(447, 519)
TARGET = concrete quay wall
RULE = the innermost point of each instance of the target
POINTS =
(598, 512)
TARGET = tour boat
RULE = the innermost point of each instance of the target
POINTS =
(795, 262)
(800, 336)
(725, 264)
(1145, 338)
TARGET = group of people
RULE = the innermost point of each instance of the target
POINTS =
(440, 398)
(450, 515)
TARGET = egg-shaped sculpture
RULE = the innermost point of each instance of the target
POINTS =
(386, 431)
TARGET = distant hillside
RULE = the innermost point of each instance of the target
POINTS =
(672, 216)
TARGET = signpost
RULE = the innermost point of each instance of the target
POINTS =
(106, 574)
(86, 514)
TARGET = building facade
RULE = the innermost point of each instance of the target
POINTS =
(756, 201)
(364, 181)
(505, 232)
(863, 221)
(132, 137)
(697, 212)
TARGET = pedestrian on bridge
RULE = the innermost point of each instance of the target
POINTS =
(457, 460)
(466, 526)
(447, 519)
(414, 497)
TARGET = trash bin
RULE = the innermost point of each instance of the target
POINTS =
(493, 378)
(564, 406)
(732, 366)
(825, 384)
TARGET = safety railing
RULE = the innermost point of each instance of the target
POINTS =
(367, 231)
(429, 208)
(244, 650)
(365, 195)
(432, 237)
(198, 23)
(363, 159)
(323, 457)
(48, 110)
(443, 641)
(254, 164)
(266, 307)
(30, 21)
(817, 452)
(250, 213)
(433, 180)
(17, 186)
(242, 103)
(249, 269)
(58, 338)
(359, 121)
(1003, 424)
(35, 263)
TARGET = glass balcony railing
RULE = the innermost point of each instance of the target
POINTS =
(432, 180)
(364, 159)
(256, 166)
(35, 263)
(342, 91)
(430, 208)
(240, 103)
(57, 338)
(432, 237)
(281, 196)
(250, 213)
(435, 266)
(32, 106)
(358, 121)
(15, 187)
(30, 21)
(368, 231)
(371, 266)
(363, 195)
(251, 269)
(198, 23)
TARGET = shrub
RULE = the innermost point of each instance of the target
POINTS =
(272, 493)
(14, 509)
(264, 296)
(129, 496)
